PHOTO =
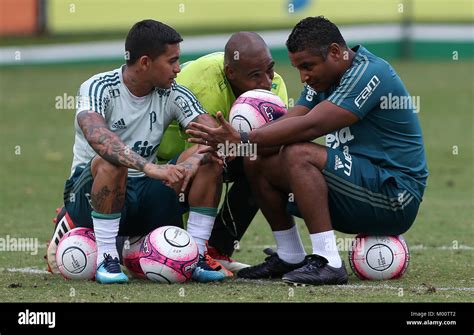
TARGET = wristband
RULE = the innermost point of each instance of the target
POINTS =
(244, 137)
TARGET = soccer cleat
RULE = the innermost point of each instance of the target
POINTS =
(226, 261)
(203, 273)
(63, 225)
(109, 271)
(273, 267)
(317, 271)
(216, 265)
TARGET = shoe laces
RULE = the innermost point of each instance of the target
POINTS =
(112, 265)
(271, 259)
(315, 261)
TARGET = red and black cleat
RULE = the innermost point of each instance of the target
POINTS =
(63, 224)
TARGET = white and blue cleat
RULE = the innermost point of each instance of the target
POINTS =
(203, 273)
(109, 271)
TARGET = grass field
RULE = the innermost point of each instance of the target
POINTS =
(36, 150)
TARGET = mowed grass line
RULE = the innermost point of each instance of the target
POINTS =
(415, 287)
(36, 149)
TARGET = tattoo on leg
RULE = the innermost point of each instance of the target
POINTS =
(107, 201)
(99, 199)
(118, 200)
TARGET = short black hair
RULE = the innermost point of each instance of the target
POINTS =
(149, 38)
(315, 34)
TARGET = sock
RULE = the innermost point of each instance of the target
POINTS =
(324, 244)
(106, 228)
(200, 223)
(289, 246)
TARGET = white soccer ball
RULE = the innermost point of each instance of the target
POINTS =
(379, 257)
(76, 255)
(131, 255)
(169, 255)
(254, 108)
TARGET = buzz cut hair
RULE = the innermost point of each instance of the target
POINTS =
(314, 34)
(149, 38)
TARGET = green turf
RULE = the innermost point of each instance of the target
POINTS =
(32, 183)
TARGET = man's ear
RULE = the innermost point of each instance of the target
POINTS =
(144, 62)
(335, 51)
(229, 72)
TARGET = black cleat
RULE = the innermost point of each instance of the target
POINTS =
(273, 267)
(316, 271)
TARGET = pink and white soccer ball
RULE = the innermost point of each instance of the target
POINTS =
(131, 256)
(169, 255)
(76, 255)
(379, 257)
(254, 108)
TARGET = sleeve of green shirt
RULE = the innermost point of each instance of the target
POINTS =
(279, 88)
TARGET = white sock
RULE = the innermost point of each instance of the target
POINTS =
(106, 231)
(200, 228)
(324, 244)
(289, 246)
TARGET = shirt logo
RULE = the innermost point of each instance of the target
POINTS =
(337, 163)
(367, 91)
(183, 105)
(120, 124)
(342, 136)
(114, 93)
(310, 93)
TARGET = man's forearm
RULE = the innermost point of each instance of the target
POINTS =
(291, 130)
(107, 144)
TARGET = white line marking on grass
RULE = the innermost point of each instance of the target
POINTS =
(390, 287)
(354, 286)
(28, 270)
(413, 247)
(443, 247)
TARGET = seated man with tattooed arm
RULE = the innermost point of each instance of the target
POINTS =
(114, 187)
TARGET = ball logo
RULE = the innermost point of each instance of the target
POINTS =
(145, 246)
(176, 238)
(74, 260)
(268, 110)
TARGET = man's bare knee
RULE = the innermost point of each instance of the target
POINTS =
(102, 168)
(253, 167)
(212, 169)
(295, 155)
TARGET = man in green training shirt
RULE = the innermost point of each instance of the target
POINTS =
(217, 80)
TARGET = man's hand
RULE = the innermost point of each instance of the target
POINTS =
(190, 166)
(171, 175)
(209, 136)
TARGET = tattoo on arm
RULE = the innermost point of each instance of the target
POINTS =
(202, 158)
(107, 144)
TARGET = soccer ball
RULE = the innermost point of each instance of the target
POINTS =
(131, 256)
(168, 255)
(254, 108)
(76, 255)
(379, 257)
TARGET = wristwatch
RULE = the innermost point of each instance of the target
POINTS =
(244, 137)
